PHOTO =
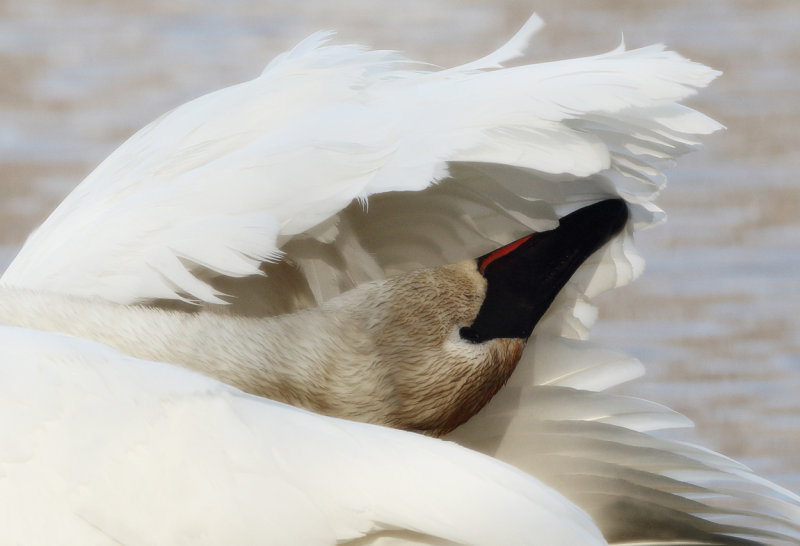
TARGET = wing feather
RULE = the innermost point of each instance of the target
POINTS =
(225, 183)
(554, 420)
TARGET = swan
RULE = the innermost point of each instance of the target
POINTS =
(304, 195)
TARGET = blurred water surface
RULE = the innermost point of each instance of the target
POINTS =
(716, 317)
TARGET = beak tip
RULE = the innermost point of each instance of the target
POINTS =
(525, 276)
(618, 209)
(615, 211)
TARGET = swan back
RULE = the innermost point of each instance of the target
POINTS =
(104, 448)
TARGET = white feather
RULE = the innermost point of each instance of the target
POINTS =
(282, 168)
(226, 181)
(101, 448)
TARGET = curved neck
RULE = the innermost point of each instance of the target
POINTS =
(317, 358)
(387, 352)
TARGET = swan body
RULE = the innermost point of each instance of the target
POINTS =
(340, 166)
(110, 449)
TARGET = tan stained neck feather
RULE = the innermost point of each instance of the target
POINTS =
(386, 353)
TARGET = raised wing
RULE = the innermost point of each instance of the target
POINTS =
(101, 448)
(280, 167)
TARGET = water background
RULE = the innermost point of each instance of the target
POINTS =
(716, 317)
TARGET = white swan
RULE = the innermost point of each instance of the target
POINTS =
(270, 177)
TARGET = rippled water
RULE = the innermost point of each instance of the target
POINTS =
(716, 315)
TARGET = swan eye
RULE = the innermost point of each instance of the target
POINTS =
(470, 334)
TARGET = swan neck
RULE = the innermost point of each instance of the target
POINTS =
(317, 358)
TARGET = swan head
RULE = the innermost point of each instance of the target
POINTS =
(449, 337)
(423, 351)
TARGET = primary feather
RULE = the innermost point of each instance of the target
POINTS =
(228, 181)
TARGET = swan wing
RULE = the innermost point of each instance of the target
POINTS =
(102, 448)
(606, 453)
(280, 169)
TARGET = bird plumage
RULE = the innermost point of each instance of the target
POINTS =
(102, 448)
(325, 125)
(283, 192)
